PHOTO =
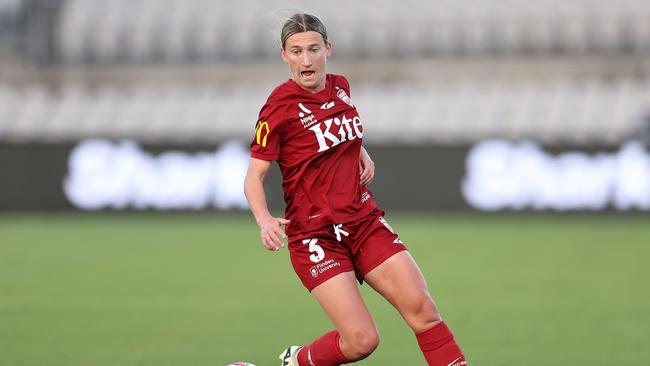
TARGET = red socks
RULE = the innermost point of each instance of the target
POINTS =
(439, 347)
(325, 351)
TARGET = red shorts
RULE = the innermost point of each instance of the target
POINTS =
(357, 246)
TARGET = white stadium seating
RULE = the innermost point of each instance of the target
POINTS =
(145, 31)
(554, 112)
(96, 38)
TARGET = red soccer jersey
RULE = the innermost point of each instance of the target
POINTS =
(316, 140)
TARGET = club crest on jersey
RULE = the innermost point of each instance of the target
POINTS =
(344, 96)
(306, 116)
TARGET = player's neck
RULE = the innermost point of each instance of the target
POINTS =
(315, 90)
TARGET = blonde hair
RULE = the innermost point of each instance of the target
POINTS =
(301, 22)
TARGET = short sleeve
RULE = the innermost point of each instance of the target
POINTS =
(345, 85)
(268, 133)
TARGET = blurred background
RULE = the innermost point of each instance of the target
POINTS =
(113, 104)
(470, 108)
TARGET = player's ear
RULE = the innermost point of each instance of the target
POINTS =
(284, 57)
(329, 48)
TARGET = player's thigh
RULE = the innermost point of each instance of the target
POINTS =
(318, 258)
(400, 281)
(341, 300)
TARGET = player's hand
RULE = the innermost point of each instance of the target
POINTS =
(367, 168)
(271, 232)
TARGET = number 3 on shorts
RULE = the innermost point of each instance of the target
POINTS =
(317, 251)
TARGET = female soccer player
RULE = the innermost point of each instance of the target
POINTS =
(337, 234)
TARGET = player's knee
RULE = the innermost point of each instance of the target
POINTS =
(361, 344)
(423, 314)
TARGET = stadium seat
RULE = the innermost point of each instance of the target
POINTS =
(554, 111)
(195, 31)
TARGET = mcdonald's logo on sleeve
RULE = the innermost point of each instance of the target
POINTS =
(262, 133)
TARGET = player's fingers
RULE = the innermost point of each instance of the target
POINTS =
(278, 229)
(269, 243)
(364, 173)
(282, 235)
(371, 173)
(266, 244)
(273, 237)
(371, 176)
(366, 177)
(265, 241)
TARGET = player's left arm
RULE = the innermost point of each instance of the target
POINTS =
(367, 167)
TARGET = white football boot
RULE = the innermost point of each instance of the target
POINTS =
(289, 357)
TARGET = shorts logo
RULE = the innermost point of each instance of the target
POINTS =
(262, 133)
(321, 268)
(314, 272)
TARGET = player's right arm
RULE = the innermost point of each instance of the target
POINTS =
(270, 227)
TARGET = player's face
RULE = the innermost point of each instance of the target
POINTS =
(306, 54)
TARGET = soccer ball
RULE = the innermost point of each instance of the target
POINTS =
(240, 363)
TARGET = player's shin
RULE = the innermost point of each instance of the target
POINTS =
(325, 351)
(439, 347)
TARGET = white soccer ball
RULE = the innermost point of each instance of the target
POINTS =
(240, 363)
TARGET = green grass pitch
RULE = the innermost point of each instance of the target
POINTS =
(199, 290)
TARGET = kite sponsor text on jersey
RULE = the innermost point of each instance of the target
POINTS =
(347, 130)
